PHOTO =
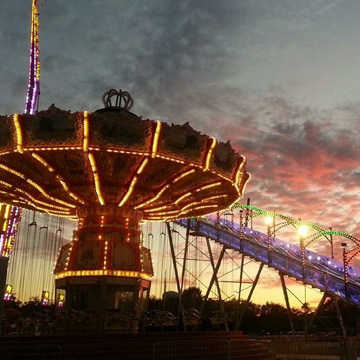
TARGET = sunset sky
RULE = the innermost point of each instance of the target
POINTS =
(278, 78)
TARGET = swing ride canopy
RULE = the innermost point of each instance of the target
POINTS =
(56, 161)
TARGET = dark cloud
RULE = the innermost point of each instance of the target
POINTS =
(159, 51)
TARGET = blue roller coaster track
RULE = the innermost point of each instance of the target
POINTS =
(310, 268)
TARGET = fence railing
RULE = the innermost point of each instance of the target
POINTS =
(307, 348)
(200, 347)
(167, 346)
(170, 350)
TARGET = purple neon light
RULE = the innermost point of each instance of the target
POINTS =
(32, 96)
(1, 243)
(32, 99)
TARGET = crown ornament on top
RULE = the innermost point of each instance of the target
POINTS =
(122, 99)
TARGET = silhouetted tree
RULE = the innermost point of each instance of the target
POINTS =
(274, 319)
(192, 298)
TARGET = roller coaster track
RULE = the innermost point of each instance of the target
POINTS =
(307, 267)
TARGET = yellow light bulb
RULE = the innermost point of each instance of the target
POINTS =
(302, 230)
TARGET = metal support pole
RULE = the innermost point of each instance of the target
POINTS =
(185, 253)
(173, 258)
(286, 297)
(241, 274)
(343, 329)
(240, 286)
(321, 303)
(214, 276)
(216, 281)
(249, 296)
(180, 311)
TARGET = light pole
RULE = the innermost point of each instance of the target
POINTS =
(270, 222)
(331, 243)
(346, 271)
(241, 228)
(302, 231)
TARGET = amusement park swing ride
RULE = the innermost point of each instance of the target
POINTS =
(110, 170)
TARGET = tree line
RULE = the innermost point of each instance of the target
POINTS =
(257, 319)
(263, 319)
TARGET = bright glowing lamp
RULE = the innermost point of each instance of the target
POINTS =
(268, 220)
(302, 230)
